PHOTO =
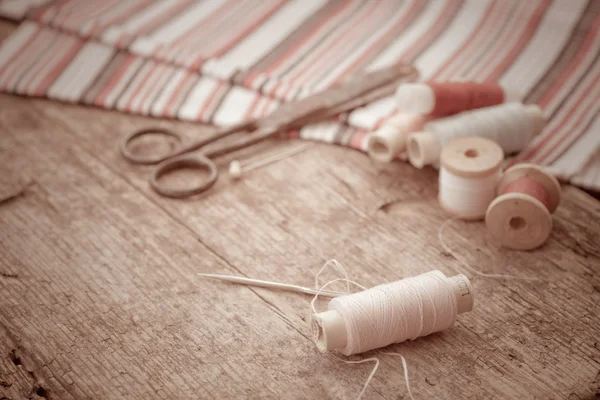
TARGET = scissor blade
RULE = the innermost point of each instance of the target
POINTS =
(348, 95)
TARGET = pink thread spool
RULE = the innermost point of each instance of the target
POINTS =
(520, 217)
(447, 98)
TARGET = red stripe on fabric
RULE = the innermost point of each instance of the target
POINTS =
(123, 40)
(58, 69)
(208, 102)
(159, 20)
(101, 98)
(381, 120)
(196, 63)
(249, 81)
(41, 54)
(56, 6)
(202, 25)
(319, 55)
(529, 154)
(483, 23)
(148, 90)
(415, 8)
(573, 65)
(524, 38)
(250, 110)
(286, 56)
(451, 7)
(168, 110)
(570, 132)
(265, 109)
(140, 86)
(235, 40)
(347, 41)
(121, 17)
(19, 56)
(79, 12)
(40, 14)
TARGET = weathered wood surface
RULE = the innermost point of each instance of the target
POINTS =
(100, 297)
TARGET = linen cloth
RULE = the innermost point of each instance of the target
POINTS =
(221, 61)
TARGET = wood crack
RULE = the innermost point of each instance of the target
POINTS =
(195, 235)
(15, 194)
(282, 316)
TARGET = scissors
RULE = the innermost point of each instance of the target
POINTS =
(325, 104)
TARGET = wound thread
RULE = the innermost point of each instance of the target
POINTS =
(452, 98)
(467, 197)
(392, 313)
(446, 98)
(511, 125)
(529, 187)
(469, 174)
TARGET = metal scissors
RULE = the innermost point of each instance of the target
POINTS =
(328, 103)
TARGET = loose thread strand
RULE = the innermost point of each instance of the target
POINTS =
(320, 291)
(336, 264)
(466, 264)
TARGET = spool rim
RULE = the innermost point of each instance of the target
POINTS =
(472, 157)
(318, 333)
(513, 219)
(414, 151)
(379, 150)
(532, 171)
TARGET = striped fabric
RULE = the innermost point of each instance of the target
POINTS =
(221, 61)
(17, 9)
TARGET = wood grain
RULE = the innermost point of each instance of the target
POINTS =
(100, 297)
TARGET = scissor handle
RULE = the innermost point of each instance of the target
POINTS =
(151, 159)
(195, 161)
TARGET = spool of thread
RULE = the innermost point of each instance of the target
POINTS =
(390, 140)
(392, 313)
(520, 217)
(511, 125)
(470, 170)
(447, 98)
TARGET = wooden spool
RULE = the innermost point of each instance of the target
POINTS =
(474, 159)
(520, 221)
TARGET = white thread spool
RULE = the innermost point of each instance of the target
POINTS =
(521, 216)
(340, 327)
(390, 140)
(470, 170)
(511, 125)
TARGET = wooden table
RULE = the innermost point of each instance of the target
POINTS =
(100, 296)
